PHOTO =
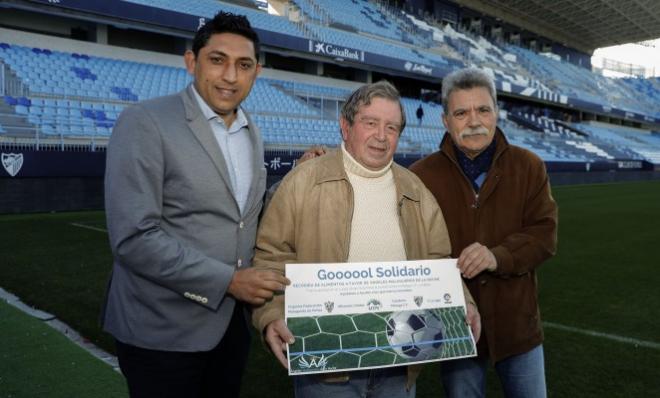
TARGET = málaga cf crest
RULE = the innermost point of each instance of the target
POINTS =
(12, 162)
(329, 306)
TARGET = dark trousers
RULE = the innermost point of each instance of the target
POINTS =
(206, 374)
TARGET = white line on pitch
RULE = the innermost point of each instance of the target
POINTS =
(75, 224)
(61, 327)
(620, 339)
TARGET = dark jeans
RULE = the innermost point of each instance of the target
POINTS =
(522, 376)
(205, 374)
(373, 383)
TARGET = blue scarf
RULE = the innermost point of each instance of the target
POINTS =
(476, 169)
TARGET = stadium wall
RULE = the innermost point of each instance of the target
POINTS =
(602, 177)
(47, 181)
(39, 195)
(36, 195)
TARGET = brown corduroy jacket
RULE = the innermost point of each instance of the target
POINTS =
(515, 216)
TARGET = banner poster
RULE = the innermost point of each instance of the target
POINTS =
(350, 316)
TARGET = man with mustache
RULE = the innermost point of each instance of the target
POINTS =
(502, 222)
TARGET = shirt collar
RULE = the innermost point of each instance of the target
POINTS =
(209, 114)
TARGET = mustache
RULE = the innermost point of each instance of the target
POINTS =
(469, 131)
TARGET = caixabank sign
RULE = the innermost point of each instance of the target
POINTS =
(339, 53)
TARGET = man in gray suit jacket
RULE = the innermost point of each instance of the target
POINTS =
(185, 180)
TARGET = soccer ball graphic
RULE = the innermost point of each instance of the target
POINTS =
(415, 334)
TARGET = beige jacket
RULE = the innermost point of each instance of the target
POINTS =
(309, 221)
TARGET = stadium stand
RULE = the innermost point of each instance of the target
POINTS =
(208, 8)
(69, 68)
(389, 39)
(71, 95)
(362, 25)
(638, 144)
(82, 95)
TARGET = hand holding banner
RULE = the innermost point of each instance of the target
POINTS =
(348, 316)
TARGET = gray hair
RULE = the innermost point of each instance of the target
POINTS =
(364, 95)
(465, 79)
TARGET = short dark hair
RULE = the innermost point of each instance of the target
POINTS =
(225, 22)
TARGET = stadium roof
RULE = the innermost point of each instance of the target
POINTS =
(581, 24)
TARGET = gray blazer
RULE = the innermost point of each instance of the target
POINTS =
(175, 229)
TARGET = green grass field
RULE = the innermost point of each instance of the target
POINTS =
(599, 301)
(38, 361)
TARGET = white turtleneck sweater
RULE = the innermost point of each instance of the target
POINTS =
(375, 231)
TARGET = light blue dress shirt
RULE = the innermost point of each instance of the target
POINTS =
(236, 148)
